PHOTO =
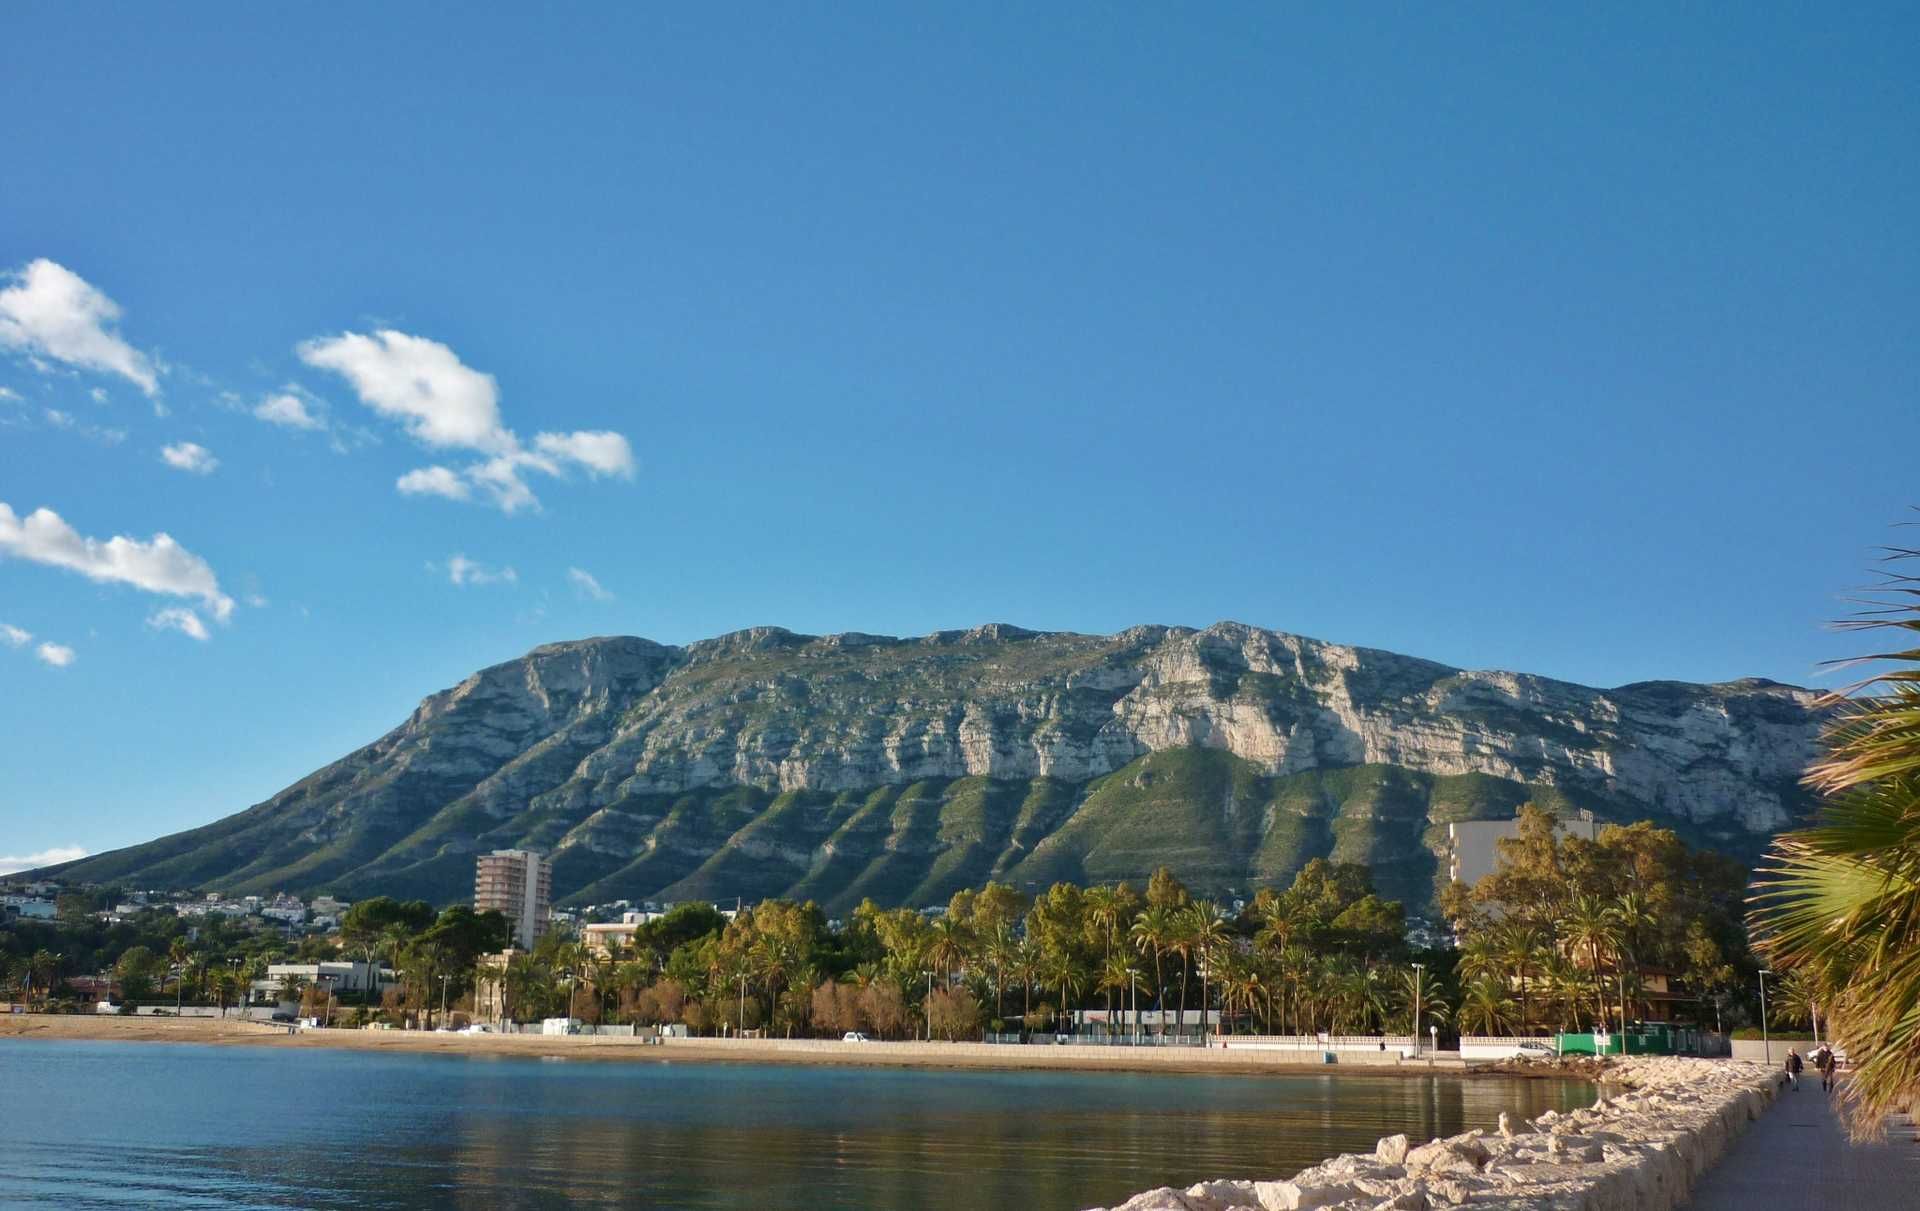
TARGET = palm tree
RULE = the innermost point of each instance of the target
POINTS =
(179, 953)
(1061, 969)
(1630, 915)
(1205, 934)
(1592, 926)
(1841, 901)
(1117, 974)
(1484, 1006)
(998, 951)
(1569, 986)
(1024, 965)
(950, 948)
(1105, 906)
(1153, 933)
(1421, 998)
(1518, 945)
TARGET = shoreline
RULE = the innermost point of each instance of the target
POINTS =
(233, 1032)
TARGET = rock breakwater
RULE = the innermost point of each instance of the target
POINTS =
(1659, 1126)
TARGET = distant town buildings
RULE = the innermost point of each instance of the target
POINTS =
(340, 977)
(1476, 843)
(518, 884)
(31, 908)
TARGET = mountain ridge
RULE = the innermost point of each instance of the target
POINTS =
(773, 762)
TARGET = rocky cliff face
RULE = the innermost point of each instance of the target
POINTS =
(766, 762)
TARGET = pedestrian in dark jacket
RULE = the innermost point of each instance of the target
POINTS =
(1794, 1065)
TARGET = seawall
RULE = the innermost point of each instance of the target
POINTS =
(1639, 1148)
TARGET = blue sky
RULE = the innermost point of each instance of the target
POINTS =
(1578, 344)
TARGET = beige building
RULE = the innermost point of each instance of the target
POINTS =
(1475, 844)
(519, 884)
(602, 940)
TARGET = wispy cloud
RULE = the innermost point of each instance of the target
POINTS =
(287, 410)
(444, 404)
(463, 572)
(59, 655)
(434, 481)
(15, 863)
(587, 585)
(181, 619)
(50, 312)
(65, 420)
(13, 636)
(189, 456)
(158, 565)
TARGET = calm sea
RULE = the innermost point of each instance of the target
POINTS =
(144, 1125)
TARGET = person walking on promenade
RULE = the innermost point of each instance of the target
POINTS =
(1794, 1064)
(1827, 1065)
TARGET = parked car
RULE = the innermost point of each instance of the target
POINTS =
(854, 1036)
(1536, 1047)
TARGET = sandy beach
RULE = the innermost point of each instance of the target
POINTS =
(26, 1028)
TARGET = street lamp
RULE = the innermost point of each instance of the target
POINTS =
(1419, 974)
(1765, 1042)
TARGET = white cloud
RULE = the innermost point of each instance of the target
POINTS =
(189, 456)
(13, 636)
(59, 655)
(463, 571)
(50, 312)
(159, 565)
(288, 410)
(601, 453)
(181, 619)
(99, 395)
(419, 382)
(257, 600)
(433, 481)
(588, 586)
(445, 404)
(500, 479)
(15, 863)
(8, 393)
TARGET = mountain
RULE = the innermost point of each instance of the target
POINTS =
(767, 763)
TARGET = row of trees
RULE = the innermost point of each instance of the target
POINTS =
(1570, 933)
(1325, 954)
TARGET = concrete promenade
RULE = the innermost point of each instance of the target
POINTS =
(1796, 1158)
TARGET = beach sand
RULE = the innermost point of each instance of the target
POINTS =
(25, 1028)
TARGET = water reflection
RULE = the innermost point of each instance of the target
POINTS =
(167, 1126)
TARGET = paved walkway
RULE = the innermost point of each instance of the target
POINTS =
(1797, 1158)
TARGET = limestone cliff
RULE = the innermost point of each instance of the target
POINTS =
(765, 762)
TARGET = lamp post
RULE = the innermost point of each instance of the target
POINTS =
(1419, 975)
(328, 981)
(1765, 1042)
(743, 1003)
(444, 977)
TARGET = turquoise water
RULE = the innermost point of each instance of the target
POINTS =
(171, 1126)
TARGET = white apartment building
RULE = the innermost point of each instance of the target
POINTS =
(519, 884)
